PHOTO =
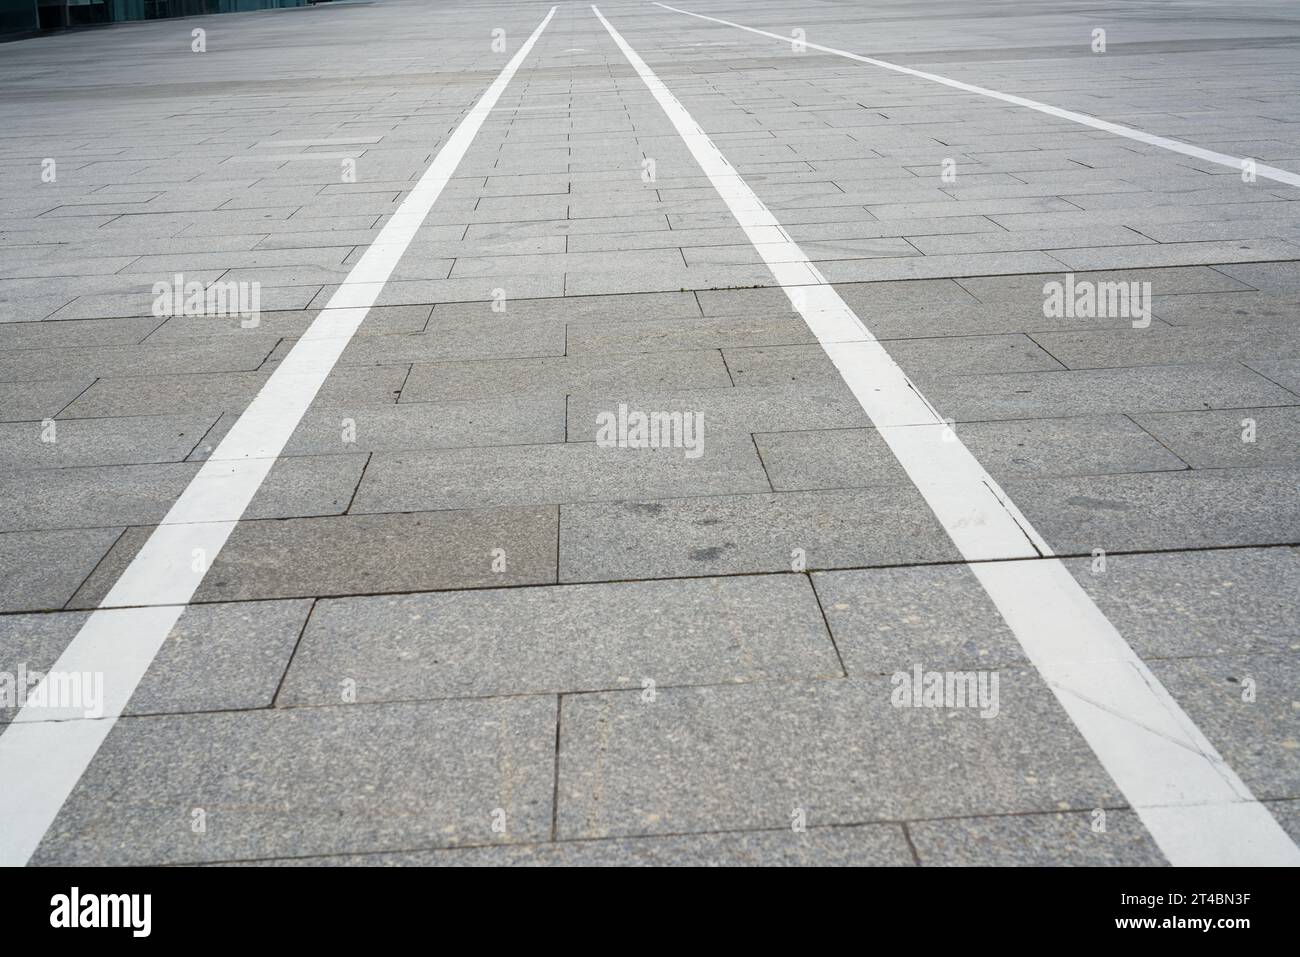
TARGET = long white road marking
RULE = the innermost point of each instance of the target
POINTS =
(1196, 808)
(44, 752)
(1176, 146)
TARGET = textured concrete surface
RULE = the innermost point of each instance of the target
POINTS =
(452, 597)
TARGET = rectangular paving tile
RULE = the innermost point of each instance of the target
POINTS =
(28, 401)
(981, 354)
(1199, 603)
(568, 374)
(565, 472)
(311, 781)
(885, 620)
(42, 570)
(82, 442)
(1181, 279)
(76, 333)
(217, 658)
(142, 494)
(198, 355)
(562, 638)
(1243, 339)
(737, 534)
(228, 391)
(1076, 838)
(444, 340)
(380, 320)
(866, 845)
(1157, 510)
(686, 334)
(365, 554)
(1235, 438)
(1213, 308)
(836, 750)
(418, 425)
(851, 458)
(629, 308)
(747, 409)
(859, 296)
(1026, 395)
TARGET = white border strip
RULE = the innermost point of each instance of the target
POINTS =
(44, 752)
(1196, 808)
(1128, 132)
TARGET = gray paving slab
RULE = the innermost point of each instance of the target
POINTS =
(564, 375)
(859, 296)
(82, 442)
(851, 458)
(738, 534)
(358, 430)
(1153, 345)
(1199, 603)
(885, 620)
(561, 638)
(837, 750)
(1160, 510)
(1178, 254)
(1236, 438)
(686, 334)
(75, 333)
(947, 356)
(478, 338)
(564, 472)
(311, 781)
(1271, 277)
(868, 845)
(1182, 279)
(380, 320)
(1024, 395)
(95, 496)
(365, 554)
(43, 569)
(228, 392)
(1037, 840)
(223, 657)
(1284, 372)
(747, 409)
(1213, 308)
(27, 401)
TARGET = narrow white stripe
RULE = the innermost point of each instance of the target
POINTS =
(1187, 149)
(43, 753)
(1197, 810)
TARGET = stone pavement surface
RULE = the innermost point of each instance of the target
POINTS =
(454, 626)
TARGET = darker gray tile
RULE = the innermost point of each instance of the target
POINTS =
(364, 554)
(738, 534)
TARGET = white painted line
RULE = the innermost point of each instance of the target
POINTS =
(43, 752)
(1196, 808)
(1176, 146)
